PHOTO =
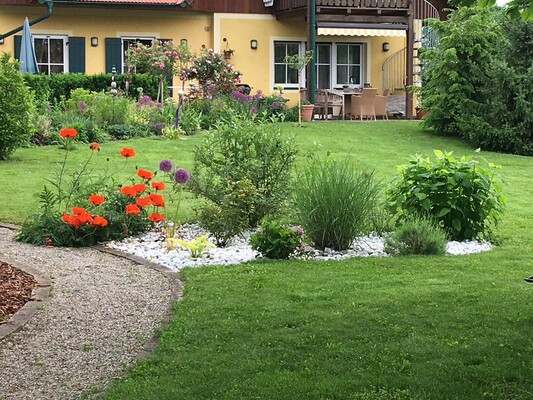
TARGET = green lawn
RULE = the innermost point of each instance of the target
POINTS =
(450, 327)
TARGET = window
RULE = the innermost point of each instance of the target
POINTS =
(51, 53)
(349, 64)
(283, 75)
(129, 42)
(323, 66)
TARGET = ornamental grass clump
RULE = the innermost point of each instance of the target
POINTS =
(333, 202)
(416, 235)
(462, 195)
(83, 207)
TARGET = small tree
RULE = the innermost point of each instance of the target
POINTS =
(298, 62)
(160, 59)
(15, 107)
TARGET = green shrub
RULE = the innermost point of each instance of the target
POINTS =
(231, 215)
(463, 196)
(333, 202)
(416, 235)
(274, 240)
(241, 151)
(15, 107)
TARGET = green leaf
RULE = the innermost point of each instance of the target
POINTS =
(456, 224)
(443, 212)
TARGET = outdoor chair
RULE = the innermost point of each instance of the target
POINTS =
(380, 105)
(328, 103)
(363, 105)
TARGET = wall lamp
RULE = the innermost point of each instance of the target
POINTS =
(1, 41)
(253, 44)
(385, 46)
(94, 41)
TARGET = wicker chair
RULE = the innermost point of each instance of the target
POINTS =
(380, 105)
(363, 106)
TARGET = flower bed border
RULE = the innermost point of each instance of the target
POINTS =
(39, 294)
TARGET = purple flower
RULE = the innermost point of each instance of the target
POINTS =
(165, 165)
(82, 106)
(181, 175)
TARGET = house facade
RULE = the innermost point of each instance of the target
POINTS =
(353, 39)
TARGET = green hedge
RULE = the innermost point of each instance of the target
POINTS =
(51, 88)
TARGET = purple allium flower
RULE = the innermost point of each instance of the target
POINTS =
(274, 105)
(181, 175)
(82, 106)
(165, 165)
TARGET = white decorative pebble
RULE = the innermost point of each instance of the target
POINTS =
(151, 246)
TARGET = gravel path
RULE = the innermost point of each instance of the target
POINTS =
(101, 315)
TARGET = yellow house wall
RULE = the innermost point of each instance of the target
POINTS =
(199, 30)
(87, 22)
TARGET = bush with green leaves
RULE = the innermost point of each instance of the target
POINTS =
(242, 149)
(458, 72)
(333, 202)
(275, 240)
(15, 107)
(416, 235)
(464, 196)
(229, 217)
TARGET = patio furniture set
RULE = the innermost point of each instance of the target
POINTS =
(351, 104)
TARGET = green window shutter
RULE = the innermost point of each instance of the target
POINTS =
(18, 40)
(76, 54)
(113, 48)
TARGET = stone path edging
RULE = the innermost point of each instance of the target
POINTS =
(39, 294)
(44, 283)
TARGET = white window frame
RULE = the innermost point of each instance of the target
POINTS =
(65, 51)
(362, 74)
(301, 49)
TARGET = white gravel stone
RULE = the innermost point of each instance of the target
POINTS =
(151, 246)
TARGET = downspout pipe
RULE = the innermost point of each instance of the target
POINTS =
(311, 45)
(49, 4)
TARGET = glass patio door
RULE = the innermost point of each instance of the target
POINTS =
(323, 66)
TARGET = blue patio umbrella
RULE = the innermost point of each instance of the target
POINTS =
(28, 61)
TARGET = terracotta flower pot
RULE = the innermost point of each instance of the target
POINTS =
(307, 112)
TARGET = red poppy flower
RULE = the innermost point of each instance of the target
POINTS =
(157, 200)
(71, 220)
(145, 174)
(96, 199)
(68, 132)
(85, 218)
(156, 217)
(143, 201)
(139, 187)
(94, 146)
(78, 210)
(127, 152)
(128, 190)
(132, 209)
(99, 221)
(158, 185)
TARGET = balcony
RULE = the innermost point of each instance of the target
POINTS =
(344, 10)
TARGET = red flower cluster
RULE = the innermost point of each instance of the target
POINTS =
(94, 146)
(81, 216)
(96, 199)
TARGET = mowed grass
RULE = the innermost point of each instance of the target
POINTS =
(449, 327)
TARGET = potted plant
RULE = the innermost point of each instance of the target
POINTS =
(298, 62)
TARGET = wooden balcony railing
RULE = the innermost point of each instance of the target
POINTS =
(294, 5)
